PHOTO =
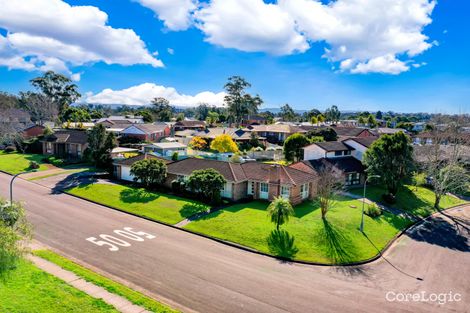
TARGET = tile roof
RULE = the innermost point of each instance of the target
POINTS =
(235, 133)
(365, 141)
(332, 146)
(140, 157)
(276, 128)
(346, 164)
(68, 136)
(149, 128)
(186, 123)
(231, 171)
(349, 131)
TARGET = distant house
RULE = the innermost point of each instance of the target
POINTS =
(118, 119)
(238, 135)
(275, 133)
(167, 149)
(327, 149)
(33, 131)
(122, 168)
(189, 125)
(349, 132)
(147, 132)
(66, 144)
(388, 131)
(360, 145)
(253, 119)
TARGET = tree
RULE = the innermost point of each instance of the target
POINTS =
(361, 120)
(333, 114)
(238, 101)
(198, 143)
(15, 231)
(379, 115)
(328, 134)
(179, 117)
(293, 147)
(100, 145)
(58, 88)
(391, 158)
(371, 121)
(207, 183)
(149, 172)
(76, 115)
(201, 111)
(313, 120)
(8, 101)
(212, 118)
(329, 184)
(224, 143)
(39, 106)
(162, 110)
(146, 116)
(320, 118)
(287, 113)
(279, 210)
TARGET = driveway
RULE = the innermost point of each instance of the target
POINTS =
(196, 274)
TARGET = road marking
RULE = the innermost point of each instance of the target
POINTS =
(113, 243)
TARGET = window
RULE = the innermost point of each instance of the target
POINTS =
(338, 153)
(49, 147)
(353, 179)
(304, 189)
(285, 191)
(251, 188)
(264, 187)
(348, 152)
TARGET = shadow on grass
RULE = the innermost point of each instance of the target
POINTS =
(81, 180)
(282, 244)
(338, 247)
(306, 208)
(190, 209)
(139, 195)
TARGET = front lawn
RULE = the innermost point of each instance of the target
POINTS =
(418, 201)
(27, 289)
(108, 284)
(336, 240)
(157, 206)
(15, 163)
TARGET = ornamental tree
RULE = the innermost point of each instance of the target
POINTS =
(198, 143)
(293, 147)
(149, 172)
(279, 210)
(207, 183)
(224, 143)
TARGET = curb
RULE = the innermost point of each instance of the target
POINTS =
(248, 249)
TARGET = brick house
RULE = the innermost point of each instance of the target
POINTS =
(147, 132)
(122, 168)
(275, 133)
(66, 144)
(33, 131)
(253, 119)
(187, 124)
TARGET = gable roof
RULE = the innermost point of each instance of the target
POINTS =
(364, 141)
(231, 171)
(68, 136)
(186, 123)
(330, 146)
(276, 128)
(350, 131)
(234, 133)
(148, 128)
(346, 164)
(140, 157)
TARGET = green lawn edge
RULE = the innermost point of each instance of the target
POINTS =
(108, 284)
(29, 289)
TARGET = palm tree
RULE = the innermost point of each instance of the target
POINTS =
(279, 210)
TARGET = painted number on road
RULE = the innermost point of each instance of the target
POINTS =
(114, 242)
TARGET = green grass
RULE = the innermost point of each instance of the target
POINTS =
(157, 206)
(15, 163)
(65, 171)
(108, 284)
(418, 201)
(334, 241)
(27, 289)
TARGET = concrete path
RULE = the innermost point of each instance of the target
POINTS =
(120, 303)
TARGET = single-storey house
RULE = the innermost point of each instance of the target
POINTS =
(189, 124)
(167, 149)
(33, 131)
(349, 132)
(326, 149)
(147, 132)
(275, 133)
(118, 119)
(237, 134)
(66, 144)
(122, 168)
(253, 119)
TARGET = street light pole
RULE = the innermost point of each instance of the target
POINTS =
(364, 200)
(11, 185)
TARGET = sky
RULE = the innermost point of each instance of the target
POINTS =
(388, 55)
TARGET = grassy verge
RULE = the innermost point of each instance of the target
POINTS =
(416, 200)
(157, 206)
(27, 289)
(15, 163)
(65, 171)
(307, 237)
(99, 280)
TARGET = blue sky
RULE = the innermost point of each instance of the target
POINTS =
(280, 68)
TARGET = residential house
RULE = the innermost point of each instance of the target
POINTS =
(118, 119)
(237, 134)
(65, 144)
(359, 145)
(388, 131)
(147, 132)
(189, 124)
(122, 168)
(33, 131)
(327, 149)
(275, 133)
(167, 149)
(253, 119)
(349, 132)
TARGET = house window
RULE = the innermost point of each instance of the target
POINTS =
(348, 152)
(304, 189)
(251, 188)
(338, 153)
(353, 179)
(79, 150)
(49, 147)
(285, 191)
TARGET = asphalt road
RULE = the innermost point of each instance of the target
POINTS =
(196, 274)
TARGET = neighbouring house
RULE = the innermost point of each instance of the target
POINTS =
(251, 180)
(122, 152)
(189, 125)
(253, 119)
(275, 133)
(118, 119)
(360, 145)
(388, 131)
(65, 144)
(237, 134)
(326, 149)
(122, 168)
(33, 131)
(352, 169)
(349, 132)
(147, 132)
(167, 149)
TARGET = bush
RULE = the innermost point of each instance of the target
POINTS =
(178, 185)
(10, 149)
(174, 157)
(33, 165)
(389, 198)
(373, 210)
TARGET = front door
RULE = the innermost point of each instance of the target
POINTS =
(263, 191)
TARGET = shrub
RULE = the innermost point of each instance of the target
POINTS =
(33, 165)
(373, 210)
(10, 149)
(178, 185)
(174, 157)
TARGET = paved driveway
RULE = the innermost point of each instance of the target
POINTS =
(193, 273)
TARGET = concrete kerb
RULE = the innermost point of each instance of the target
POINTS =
(248, 249)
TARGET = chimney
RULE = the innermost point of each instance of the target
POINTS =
(275, 174)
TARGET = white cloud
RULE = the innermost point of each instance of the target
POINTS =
(250, 25)
(144, 93)
(175, 14)
(51, 34)
(387, 64)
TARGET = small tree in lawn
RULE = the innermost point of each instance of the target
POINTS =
(279, 210)
(293, 147)
(207, 183)
(100, 145)
(329, 184)
(149, 172)
(224, 143)
(198, 143)
(391, 158)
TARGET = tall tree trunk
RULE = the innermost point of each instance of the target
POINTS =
(437, 201)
